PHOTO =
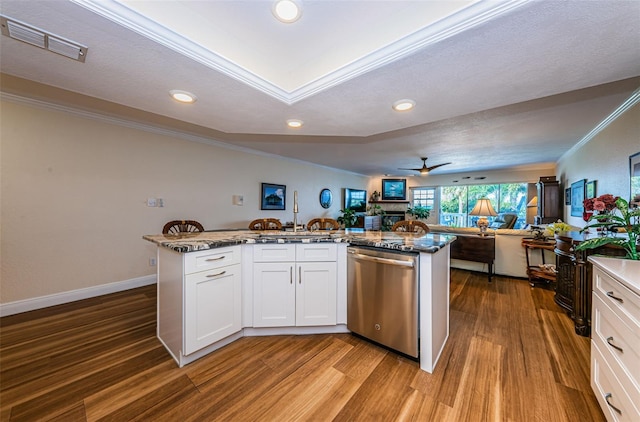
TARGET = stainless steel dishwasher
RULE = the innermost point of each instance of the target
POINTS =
(382, 297)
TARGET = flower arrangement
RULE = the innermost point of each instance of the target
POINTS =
(556, 227)
(628, 220)
(602, 204)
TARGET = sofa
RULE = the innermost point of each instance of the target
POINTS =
(510, 255)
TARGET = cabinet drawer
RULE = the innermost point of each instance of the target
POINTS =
(210, 259)
(274, 252)
(317, 252)
(615, 338)
(609, 391)
(616, 295)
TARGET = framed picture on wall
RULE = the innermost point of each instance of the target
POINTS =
(394, 189)
(567, 196)
(273, 197)
(591, 189)
(634, 173)
(577, 197)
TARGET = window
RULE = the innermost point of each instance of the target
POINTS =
(424, 197)
(457, 201)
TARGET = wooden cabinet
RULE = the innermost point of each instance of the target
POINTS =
(549, 202)
(295, 285)
(475, 248)
(573, 278)
(615, 351)
(199, 299)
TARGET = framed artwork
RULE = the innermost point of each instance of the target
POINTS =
(634, 173)
(577, 196)
(394, 189)
(273, 197)
(326, 198)
(591, 189)
(355, 199)
(567, 196)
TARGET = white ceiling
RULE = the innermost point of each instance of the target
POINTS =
(500, 84)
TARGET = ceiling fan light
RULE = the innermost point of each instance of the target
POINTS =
(182, 96)
(287, 11)
(404, 105)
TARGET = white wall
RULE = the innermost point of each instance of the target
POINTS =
(605, 158)
(74, 189)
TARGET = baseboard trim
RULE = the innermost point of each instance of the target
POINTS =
(26, 305)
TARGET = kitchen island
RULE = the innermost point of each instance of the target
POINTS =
(215, 287)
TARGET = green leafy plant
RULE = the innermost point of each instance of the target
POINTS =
(419, 212)
(348, 218)
(629, 220)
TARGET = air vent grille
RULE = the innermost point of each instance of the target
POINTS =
(28, 35)
(34, 36)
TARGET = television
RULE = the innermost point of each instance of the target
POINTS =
(355, 199)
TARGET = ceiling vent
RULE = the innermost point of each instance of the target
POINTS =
(34, 36)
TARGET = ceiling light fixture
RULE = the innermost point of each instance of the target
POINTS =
(287, 11)
(404, 105)
(295, 123)
(182, 96)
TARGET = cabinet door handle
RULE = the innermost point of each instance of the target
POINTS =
(606, 398)
(215, 259)
(610, 341)
(299, 275)
(215, 275)
(290, 275)
(611, 295)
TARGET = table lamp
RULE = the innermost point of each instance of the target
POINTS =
(483, 209)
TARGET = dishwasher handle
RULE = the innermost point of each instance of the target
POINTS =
(388, 261)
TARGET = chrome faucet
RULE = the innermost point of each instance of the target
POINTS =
(295, 211)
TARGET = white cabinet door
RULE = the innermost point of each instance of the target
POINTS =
(274, 294)
(213, 307)
(316, 289)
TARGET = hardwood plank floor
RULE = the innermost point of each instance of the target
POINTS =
(512, 355)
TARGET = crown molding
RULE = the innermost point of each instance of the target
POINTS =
(629, 103)
(470, 17)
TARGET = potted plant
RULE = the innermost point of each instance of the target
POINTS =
(348, 218)
(606, 218)
(419, 213)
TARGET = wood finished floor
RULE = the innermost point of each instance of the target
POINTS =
(512, 355)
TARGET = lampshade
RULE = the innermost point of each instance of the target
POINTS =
(483, 207)
(533, 202)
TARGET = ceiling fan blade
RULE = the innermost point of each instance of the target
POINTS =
(436, 166)
(410, 169)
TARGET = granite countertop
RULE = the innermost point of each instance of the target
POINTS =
(189, 242)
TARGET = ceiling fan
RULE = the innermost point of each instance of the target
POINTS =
(425, 170)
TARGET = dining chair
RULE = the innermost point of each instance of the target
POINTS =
(323, 224)
(412, 226)
(265, 224)
(182, 226)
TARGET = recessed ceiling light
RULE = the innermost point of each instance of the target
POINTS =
(287, 11)
(294, 123)
(404, 105)
(182, 96)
